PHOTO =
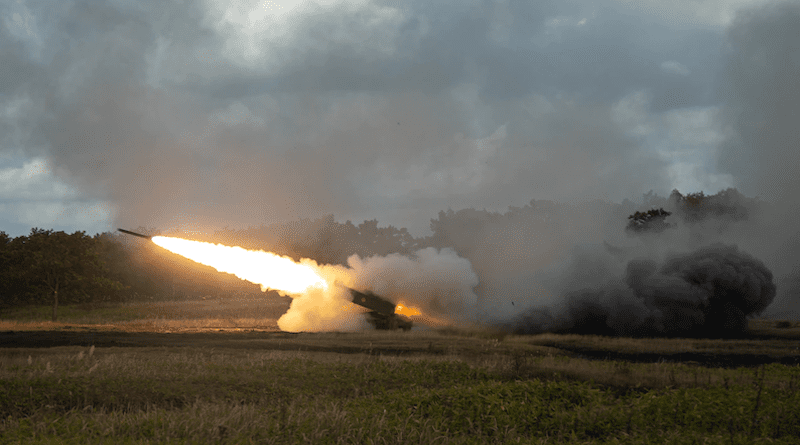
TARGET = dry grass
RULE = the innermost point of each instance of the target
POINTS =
(640, 376)
(237, 312)
(149, 325)
(199, 395)
(762, 327)
(670, 346)
(514, 360)
(235, 308)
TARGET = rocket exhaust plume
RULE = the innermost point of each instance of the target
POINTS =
(320, 292)
(266, 269)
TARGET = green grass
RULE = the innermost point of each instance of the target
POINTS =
(219, 395)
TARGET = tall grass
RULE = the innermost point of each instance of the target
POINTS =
(201, 395)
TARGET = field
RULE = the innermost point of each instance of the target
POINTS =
(221, 372)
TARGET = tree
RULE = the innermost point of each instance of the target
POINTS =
(728, 204)
(60, 265)
(9, 270)
(652, 220)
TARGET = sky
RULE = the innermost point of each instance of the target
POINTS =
(199, 115)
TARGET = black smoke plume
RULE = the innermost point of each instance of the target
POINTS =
(709, 292)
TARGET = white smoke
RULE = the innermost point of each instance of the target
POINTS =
(438, 282)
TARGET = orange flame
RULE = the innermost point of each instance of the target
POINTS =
(266, 269)
(406, 310)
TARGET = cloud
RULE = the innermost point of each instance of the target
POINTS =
(30, 182)
(674, 67)
(762, 102)
(31, 195)
(244, 113)
(268, 36)
(761, 93)
(691, 13)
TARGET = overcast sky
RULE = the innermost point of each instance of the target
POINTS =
(197, 115)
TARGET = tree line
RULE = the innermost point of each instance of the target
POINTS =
(49, 267)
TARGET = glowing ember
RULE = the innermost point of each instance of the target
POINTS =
(266, 269)
(406, 310)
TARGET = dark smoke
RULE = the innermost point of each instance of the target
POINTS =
(709, 292)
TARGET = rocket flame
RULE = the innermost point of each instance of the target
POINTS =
(320, 293)
(408, 311)
(266, 269)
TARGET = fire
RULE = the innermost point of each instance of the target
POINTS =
(264, 268)
(321, 298)
(406, 310)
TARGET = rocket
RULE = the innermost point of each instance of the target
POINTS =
(128, 232)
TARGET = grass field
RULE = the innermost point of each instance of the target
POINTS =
(243, 311)
(444, 386)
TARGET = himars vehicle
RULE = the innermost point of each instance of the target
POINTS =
(381, 314)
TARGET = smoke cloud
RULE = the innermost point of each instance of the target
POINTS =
(761, 92)
(708, 292)
(702, 270)
(438, 282)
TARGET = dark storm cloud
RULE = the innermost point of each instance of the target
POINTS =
(16, 70)
(510, 50)
(453, 108)
(405, 112)
(19, 77)
(611, 54)
(437, 46)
